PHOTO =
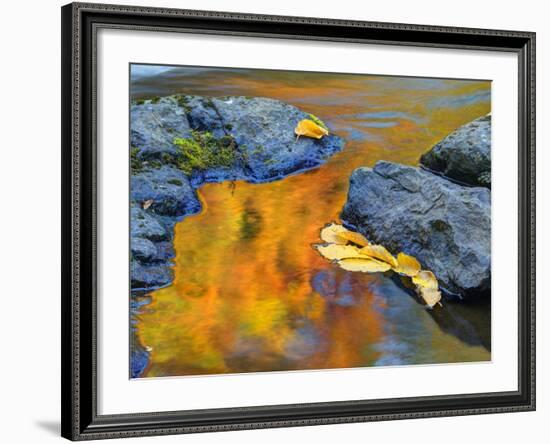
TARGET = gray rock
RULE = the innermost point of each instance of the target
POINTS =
(203, 115)
(465, 154)
(168, 187)
(153, 127)
(264, 129)
(149, 276)
(143, 249)
(144, 225)
(446, 226)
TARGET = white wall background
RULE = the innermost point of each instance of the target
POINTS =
(30, 220)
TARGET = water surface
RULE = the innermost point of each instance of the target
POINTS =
(251, 294)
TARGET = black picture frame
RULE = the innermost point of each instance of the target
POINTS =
(80, 22)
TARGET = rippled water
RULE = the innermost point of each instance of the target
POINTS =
(251, 294)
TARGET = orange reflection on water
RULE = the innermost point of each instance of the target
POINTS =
(250, 293)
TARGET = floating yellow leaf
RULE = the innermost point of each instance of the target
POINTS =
(364, 264)
(407, 265)
(355, 238)
(379, 252)
(431, 296)
(146, 204)
(333, 234)
(353, 252)
(338, 234)
(425, 279)
(427, 287)
(309, 128)
(337, 252)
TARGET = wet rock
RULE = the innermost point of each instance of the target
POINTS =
(143, 249)
(264, 129)
(203, 115)
(168, 188)
(149, 276)
(464, 155)
(154, 125)
(446, 226)
(144, 225)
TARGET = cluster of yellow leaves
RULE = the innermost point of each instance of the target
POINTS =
(309, 128)
(353, 252)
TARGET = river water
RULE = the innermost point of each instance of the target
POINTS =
(251, 294)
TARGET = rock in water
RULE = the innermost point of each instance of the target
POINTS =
(167, 188)
(257, 135)
(446, 226)
(265, 127)
(465, 154)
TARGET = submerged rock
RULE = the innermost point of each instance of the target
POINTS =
(464, 155)
(446, 226)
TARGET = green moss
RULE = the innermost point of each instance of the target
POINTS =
(228, 126)
(140, 101)
(136, 164)
(155, 99)
(318, 121)
(183, 101)
(154, 163)
(258, 150)
(203, 151)
(175, 182)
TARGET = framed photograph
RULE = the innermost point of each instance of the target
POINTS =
(282, 221)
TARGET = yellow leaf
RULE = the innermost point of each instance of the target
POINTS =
(338, 234)
(337, 252)
(431, 296)
(309, 128)
(333, 234)
(364, 264)
(355, 238)
(379, 252)
(407, 265)
(147, 204)
(426, 279)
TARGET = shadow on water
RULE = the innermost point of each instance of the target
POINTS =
(469, 321)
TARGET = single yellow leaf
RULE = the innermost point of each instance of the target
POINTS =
(309, 128)
(363, 264)
(380, 253)
(337, 252)
(425, 279)
(146, 204)
(407, 265)
(431, 296)
(355, 238)
(333, 234)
